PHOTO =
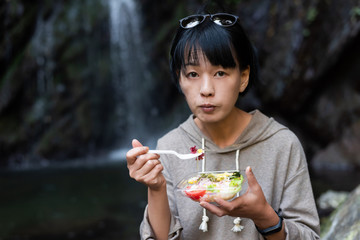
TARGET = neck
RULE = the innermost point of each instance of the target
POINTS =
(226, 132)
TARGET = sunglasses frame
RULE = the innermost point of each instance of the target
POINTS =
(202, 18)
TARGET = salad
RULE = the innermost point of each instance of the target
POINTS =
(206, 186)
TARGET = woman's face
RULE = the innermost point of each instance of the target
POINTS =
(211, 91)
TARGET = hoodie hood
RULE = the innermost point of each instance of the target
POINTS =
(259, 129)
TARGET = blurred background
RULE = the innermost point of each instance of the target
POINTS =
(80, 79)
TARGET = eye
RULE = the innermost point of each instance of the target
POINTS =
(192, 75)
(220, 74)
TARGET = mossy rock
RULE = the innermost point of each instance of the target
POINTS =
(344, 223)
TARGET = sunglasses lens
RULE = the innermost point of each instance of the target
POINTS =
(192, 21)
(224, 20)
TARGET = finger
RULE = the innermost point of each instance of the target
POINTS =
(227, 206)
(213, 209)
(252, 182)
(144, 168)
(133, 153)
(135, 143)
(137, 150)
(153, 177)
(144, 157)
(149, 174)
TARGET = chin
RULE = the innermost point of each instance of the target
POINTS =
(208, 119)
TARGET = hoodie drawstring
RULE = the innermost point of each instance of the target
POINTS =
(204, 226)
(237, 227)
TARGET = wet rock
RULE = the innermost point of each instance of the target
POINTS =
(331, 199)
(342, 154)
(344, 223)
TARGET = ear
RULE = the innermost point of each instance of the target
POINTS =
(245, 74)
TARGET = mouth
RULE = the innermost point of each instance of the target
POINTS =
(207, 108)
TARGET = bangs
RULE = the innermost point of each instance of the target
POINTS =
(213, 42)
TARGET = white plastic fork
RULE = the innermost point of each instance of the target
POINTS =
(179, 155)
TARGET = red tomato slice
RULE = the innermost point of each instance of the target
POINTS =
(195, 194)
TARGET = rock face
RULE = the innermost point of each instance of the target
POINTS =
(51, 105)
(344, 223)
(59, 100)
(331, 199)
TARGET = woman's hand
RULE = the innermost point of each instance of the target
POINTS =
(145, 167)
(251, 205)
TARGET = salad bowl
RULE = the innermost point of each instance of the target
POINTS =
(209, 185)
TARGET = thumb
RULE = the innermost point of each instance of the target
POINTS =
(135, 143)
(252, 182)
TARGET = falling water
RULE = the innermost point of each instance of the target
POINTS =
(43, 44)
(129, 72)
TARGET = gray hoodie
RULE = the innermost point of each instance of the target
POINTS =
(278, 162)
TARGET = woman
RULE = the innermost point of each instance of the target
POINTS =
(212, 63)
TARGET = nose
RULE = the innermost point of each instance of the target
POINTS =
(207, 87)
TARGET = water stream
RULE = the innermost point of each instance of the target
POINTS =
(43, 48)
(129, 71)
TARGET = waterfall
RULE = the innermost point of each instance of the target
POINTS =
(43, 45)
(129, 73)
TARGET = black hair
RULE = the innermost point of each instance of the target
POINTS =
(219, 44)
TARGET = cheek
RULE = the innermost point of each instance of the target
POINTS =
(186, 91)
(230, 93)
(228, 89)
(183, 85)
(236, 89)
(188, 88)
(190, 97)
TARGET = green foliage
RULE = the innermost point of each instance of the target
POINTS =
(306, 32)
(355, 11)
(311, 15)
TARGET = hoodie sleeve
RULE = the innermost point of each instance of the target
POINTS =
(301, 219)
(146, 231)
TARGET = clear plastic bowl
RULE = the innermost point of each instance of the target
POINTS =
(206, 186)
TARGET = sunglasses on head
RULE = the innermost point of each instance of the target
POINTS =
(221, 19)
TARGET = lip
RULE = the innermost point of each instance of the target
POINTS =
(207, 108)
